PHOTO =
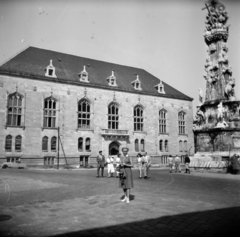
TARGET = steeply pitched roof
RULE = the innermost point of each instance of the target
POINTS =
(32, 62)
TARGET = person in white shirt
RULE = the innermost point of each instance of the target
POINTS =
(110, 166)
(140, 164)
(170, 163)
(177, 164)
(147, 164)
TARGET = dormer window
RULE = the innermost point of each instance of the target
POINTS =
(112, 80)
(160, 88)
(50, 70)
(83, 75)
(137, 84)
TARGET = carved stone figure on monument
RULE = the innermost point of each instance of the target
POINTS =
(220, 111)
(229, 90)
(200, 96)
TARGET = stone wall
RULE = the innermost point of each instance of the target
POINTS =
(32, 131)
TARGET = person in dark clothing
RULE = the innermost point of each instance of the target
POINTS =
(100, 163)
(187, 162)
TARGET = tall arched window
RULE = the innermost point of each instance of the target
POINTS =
(80, 144)
(161, 145)
(113, 116)
(53, 144)
(180, 145)
(45, 143)
(88, 144)
(84, 113)
(185, 146)
(50, 112)
(8, 143)
(181, 123)
(14, 109)
(142, 145)
(136, 145)
(18, 143)
(162, 121)
(166, 145)
(138, 118)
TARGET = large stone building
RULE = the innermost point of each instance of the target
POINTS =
(91, 105)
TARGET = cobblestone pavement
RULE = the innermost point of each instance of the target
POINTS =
(76, 203)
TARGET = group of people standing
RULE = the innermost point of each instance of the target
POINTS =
(144, 164)
(175, 164)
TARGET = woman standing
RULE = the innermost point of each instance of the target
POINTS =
(126, 181)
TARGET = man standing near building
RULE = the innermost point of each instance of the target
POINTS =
(100, 163)
(170, 163)
(177, 164)
(187, 162)
(147, 164)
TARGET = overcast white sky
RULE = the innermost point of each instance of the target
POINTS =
(164, 37)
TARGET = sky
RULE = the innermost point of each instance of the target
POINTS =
(164, 37)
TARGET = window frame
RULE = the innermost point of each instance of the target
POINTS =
(113, 116)
(54, 144)
(15, 110)
(138, 119)
(84, 116)
(181, 123)
(18, 143)
(8, 143)
(45, 144)
(50, 113)
(162, 121)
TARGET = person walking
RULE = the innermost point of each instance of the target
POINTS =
(140, 165)
(187, 162)
(100, 163)
(110, 166)
(177, 162)
(147, 164)
(170, 163)
(126, 180)
(118, 162)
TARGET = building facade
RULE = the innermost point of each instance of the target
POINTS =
(59, 107)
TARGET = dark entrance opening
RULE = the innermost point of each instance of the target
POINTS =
(114, 148)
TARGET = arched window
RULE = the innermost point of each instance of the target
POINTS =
(136, 145)
(80, 144)
(53, 144)
(142, 145)
(113, 116)
(161, 145)
(45, 143)
(166, 145)
(185, 146)
(18, 143)
(84, 113)
(162, 121)
(50, 112)
(88, 144)
(8, 143)
(14, 109)
(138, 118)
(180, 146)
(181, 123)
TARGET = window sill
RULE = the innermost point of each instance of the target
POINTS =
(55, 128)
(167, 134)
(143, 132)
(9, 126)
(185, 135)
(85, 129)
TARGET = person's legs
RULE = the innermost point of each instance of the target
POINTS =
(98, 168)
(102, 170)
(140, 170)
(128, 195)
(147, 168)
(145, 171)
(125, 195)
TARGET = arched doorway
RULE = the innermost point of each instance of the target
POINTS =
(114, 148)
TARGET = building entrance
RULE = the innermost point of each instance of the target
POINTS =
(114, 148)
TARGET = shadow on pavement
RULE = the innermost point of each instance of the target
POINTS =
(220, 222)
